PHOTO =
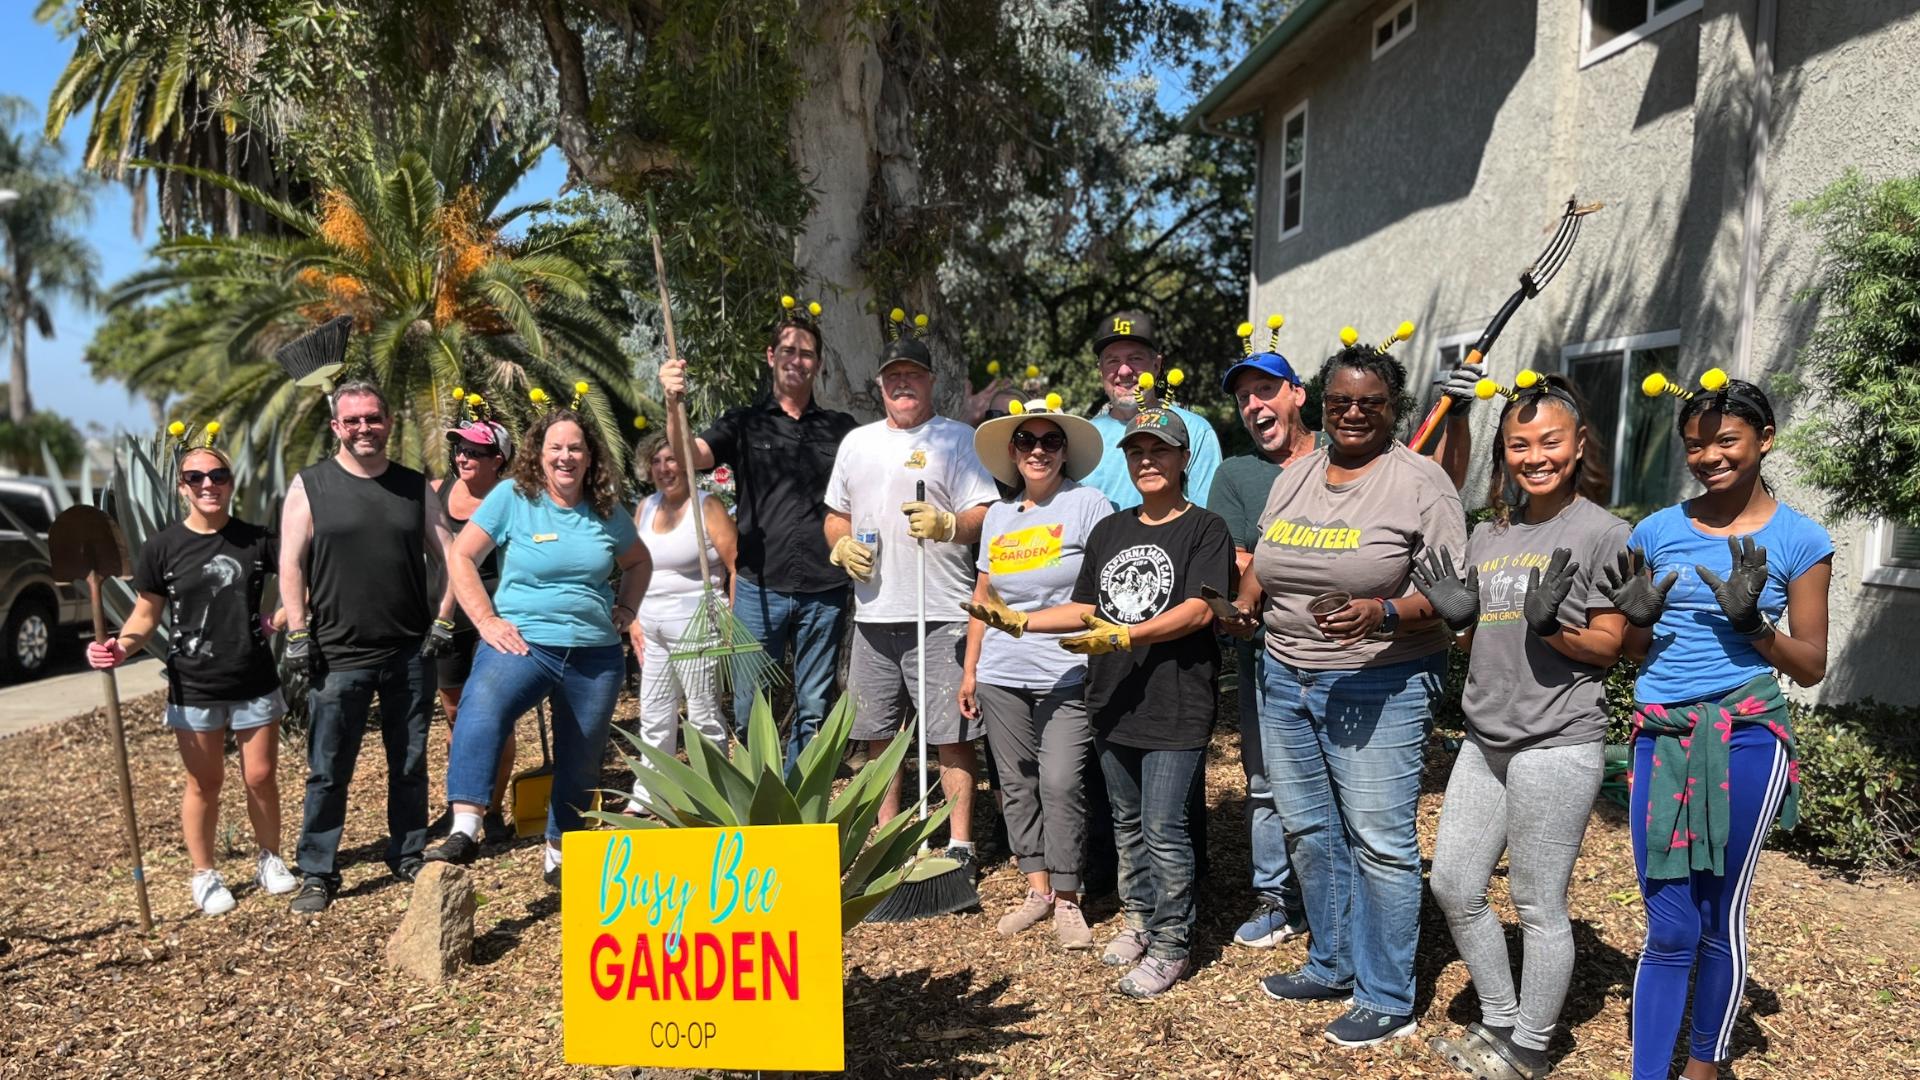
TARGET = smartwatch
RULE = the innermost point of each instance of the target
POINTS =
(1391, 622)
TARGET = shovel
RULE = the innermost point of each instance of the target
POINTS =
(532, 788)
(86, 545)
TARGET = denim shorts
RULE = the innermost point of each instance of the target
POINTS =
(222, 715)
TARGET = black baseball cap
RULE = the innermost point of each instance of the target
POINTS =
(1129, 325)
(909, 349)
(1162, 424)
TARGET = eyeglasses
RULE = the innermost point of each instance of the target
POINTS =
(1338, 405)
(217, 477)
(371, 420)
(1052, 442)
(468, 450)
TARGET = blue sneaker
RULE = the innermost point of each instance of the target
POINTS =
(1361, 1026)
(1293, 986)
(1269, 925)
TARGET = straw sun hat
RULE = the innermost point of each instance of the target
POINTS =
(1083, 451)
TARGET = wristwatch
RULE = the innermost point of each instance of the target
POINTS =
(1390, 622)
(1766, 630)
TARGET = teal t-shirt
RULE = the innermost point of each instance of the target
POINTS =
(556, 566)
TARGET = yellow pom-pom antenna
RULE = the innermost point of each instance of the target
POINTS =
(1400, 333)
(1176, 377)
(473, 400)
(1656, 384)
(537, 396)
(897, 315)
(581, 388)
(639, 423)
(1348, 335)
(1014, 408)
(787, 302)
(920, 321)
(459, 393)
(1245, 332)
(176, 429)
(1713, 380)
(1485, 389)
(1033, 371)
(1145, 382)
(1526, 379)
(993, 367)
(1055, 402)
(1274, 323)
(212, 428)
(813, 308)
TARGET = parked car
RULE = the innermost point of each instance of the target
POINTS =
(35, 613)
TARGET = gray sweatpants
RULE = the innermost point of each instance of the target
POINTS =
(1532, 804)
(1040, 741)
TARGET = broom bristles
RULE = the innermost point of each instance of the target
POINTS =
(322, 347)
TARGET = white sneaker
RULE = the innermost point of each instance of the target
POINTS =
(210, 893)
(274, 876)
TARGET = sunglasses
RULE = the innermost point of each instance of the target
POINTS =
(195, 477)
(471, 451)
(1052, 442)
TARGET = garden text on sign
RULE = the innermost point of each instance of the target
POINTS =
(703, 948)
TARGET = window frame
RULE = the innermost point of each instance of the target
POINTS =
(1280, 188)
(1654, 23)
(1413, 23)
(1880, 572)
(1626, 347)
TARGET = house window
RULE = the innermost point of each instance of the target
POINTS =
(1894, 556)
(1393, 27)
(1448, 354)
(1293, 169)
(1637, 430)
(1612, 25)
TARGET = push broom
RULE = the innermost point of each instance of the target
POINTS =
(716, 642)
(1533, 279)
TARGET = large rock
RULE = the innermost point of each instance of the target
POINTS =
(435, 938)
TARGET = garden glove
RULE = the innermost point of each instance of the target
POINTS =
(854, 557)
(1459, 383)
(297, 664)
(1629, 585)
(1102, 637)
(1546, 592)
(1454, 598)
(1739, 594)
(995, 613)
(926, 521)
(439, 641)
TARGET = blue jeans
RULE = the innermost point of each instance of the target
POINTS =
(337, 708)
(1148, 790)
(582, 684)
(1272, 875)
(1343, 752)
(813, 622)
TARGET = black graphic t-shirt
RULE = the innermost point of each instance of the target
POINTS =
(1160, 696)
(212, 585)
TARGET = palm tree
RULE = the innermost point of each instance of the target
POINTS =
(408, 239)
(44, 259)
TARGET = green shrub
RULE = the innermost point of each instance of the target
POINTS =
(1859, 786)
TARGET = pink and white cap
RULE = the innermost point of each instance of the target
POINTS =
(484, 433)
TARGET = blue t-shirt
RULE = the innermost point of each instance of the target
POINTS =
(1695, 655)
(555, 566)
(1111, 475)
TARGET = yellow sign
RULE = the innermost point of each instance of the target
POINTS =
(1032, 548)
(703, 948)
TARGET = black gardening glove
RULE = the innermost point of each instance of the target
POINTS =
(1454, 598)
(296, 665)
(439, 640)
(1629, 585)
(1546, 592)
(1739, 595)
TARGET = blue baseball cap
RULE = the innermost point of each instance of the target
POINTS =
(1272, 363)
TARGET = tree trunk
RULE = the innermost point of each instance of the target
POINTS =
(19, 401)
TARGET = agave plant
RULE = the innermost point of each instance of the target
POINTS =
(714, 789)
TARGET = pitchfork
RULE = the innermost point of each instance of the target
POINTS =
(1533, 279)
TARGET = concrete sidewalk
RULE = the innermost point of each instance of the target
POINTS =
(57, 697)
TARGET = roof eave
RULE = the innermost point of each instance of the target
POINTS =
(1205, 112)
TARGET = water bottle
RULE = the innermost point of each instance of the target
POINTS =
(868, 534)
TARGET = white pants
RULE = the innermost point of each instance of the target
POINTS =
(664, 686)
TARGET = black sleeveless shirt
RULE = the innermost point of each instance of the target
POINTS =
(366, 568)
(489, 567)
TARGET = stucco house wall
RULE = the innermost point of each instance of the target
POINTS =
(1435, 171)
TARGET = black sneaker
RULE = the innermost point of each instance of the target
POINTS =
(312, 899)
(1361, 1026)
(408, 869)
(966, 858)
(552, 877)
(494, 828)
(1293, 986)
(458, 849)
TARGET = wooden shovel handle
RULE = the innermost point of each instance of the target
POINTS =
(117, 733)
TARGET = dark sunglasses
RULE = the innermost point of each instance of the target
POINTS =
(1052, 442)
(472, 451)
(195, 477)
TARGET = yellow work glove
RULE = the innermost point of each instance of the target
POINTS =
(926, 521)
(997, 614)
(1101, 637)
(854, 557)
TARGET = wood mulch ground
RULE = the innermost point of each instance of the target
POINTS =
(1834, 990)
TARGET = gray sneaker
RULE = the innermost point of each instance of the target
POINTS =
(1070, 926)
(1152, 977)
(1126, 948)
(1031, 910)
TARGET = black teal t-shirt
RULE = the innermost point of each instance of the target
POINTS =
(1160, 696)
(212, 585)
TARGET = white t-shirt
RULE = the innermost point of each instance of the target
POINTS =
(873, 476)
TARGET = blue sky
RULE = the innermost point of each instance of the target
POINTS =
(31, 58)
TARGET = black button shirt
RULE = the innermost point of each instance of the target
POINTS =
(780, 467)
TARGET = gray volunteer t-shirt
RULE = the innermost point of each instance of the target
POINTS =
(1359, 537)
(1032, 557)
(1522, 692)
